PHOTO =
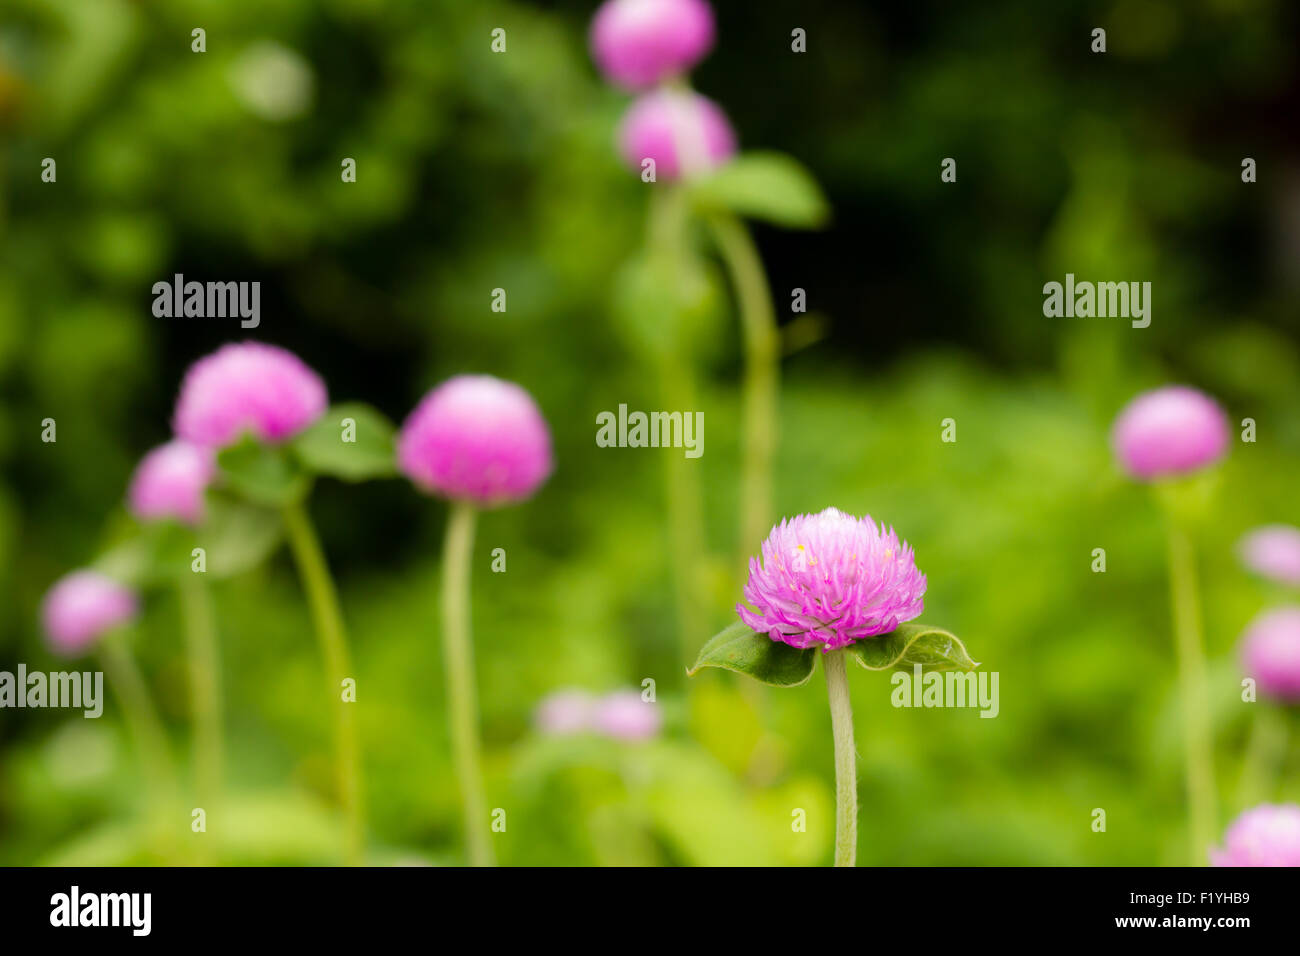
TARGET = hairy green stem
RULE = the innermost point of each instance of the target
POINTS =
(323, 602)
(462, 699)
(205, 687)
(761, 377)
(846, 773)
(1192, 689)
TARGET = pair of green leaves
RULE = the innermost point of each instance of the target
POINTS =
(242, 526)
(745, 651)
(351, 441)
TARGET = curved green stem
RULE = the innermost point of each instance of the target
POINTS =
(322, 599)
(846, 773)
(205, 686)
(1192, 690)
(761, 377)
(462, 701)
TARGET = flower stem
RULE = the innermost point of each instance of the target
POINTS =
(1265, 752)
(761, 376)
(205, 687)
(667, 224)
(322, 599)
(1192, 688)
(142, 717)
(462, 703)
(846, 774)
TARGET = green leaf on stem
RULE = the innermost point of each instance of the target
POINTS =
(263, 474)
(351, 441)
(910, 644)
(236, 535)
(740, 649)
(772, 187)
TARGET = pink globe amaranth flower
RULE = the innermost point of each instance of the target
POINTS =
(1267, 835)
(565, 712)
(476, 438)
(637, 43)
(830, 579)
(1270, 653)
(1273, 552)
(681, 131)
(247, 388)
(170, 481)
(1170, 431)
(83, 605)
(623, 715)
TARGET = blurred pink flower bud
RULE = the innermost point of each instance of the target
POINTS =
(83, 605)
(681, 131)
(565, 712)
(247, 387)
(1274, 552)
(829, 579)
(170, 481)
(1267, 835)
(476, 438)
(1270, 653)
(623, 715)
(637, 43)
(1170, 431)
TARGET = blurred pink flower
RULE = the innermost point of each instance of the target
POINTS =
(1170, 431)
(1267, 835)
(247, 387)
(681, 131)
(1274, 552)
(81, 606)
(637, 43)
(565, 712)
(170, 481)
(476, 438)
(623, 715)
(830, 579)
(1270, 652)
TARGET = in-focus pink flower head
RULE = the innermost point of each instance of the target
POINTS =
(565, 712)
(170, 481)
(247, 388)
(1270, 653)
(1170, 431)
(637, 43)
(82, 606)
(1273, 552)
(1267, 835)
(681, 131)
(829, 579)
(476, 438)
(623, 715)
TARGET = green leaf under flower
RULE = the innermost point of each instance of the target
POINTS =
(769, 186)
(910, 644)
(368, 452)
(235, 536)
(740, 649)
(263, 474)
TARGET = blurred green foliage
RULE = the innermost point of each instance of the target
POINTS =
(478, 172)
